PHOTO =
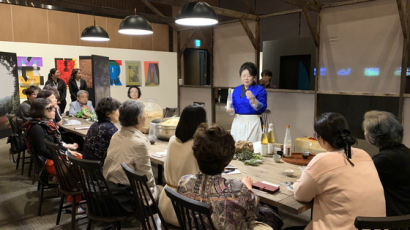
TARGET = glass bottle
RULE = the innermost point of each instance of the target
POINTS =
(271, 138)
(264, 142)
(287, 143)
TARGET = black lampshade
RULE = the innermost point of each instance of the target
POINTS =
(135, 25)
(94, 33)
(196, 14)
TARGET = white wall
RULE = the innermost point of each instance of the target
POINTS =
(165, 94)
(295, 109)
(232, 48)
(190, 95)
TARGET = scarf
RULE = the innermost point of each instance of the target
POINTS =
(48, 125)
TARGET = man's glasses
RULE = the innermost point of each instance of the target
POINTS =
(50, 108)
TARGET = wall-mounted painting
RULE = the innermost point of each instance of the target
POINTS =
(9, 98)
(86, 70)
(29, 73)
(65, 66)
(151, 69)
(133, 72)
(115, 71)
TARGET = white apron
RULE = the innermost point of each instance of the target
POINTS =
(246, 128)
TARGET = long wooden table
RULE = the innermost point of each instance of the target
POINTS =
(269, 171)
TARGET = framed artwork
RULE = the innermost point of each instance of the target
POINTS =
(133, 73)
(151, 73)
(9, 97)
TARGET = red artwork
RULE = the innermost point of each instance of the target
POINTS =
(65, 66)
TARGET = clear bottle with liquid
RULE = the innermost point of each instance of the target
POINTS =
(264, 142)
(287, 143)
(271, 138)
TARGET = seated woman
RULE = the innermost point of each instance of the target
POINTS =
(131, 146)
(23, 112)
(50, 94)
(180, 159)
(392, 162)
(100, 133)
(134, 92)
(233, 204)
(342, 182)
(81, 104)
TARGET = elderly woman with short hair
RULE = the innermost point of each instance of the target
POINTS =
(233, 204)
(81, 103)
(129, 145)
(100, 133)
(392, 162)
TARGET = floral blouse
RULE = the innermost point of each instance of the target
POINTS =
(233, 205)
(97, 140)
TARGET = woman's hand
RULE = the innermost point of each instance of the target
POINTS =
(73, 146)
(248, 182)
(249, 94)
(76, 154)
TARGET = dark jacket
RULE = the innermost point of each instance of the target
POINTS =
(61, 87)
(74, 88)
(393, 166)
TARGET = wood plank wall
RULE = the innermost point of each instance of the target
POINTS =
(27, 24)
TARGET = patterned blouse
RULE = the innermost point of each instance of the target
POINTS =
(233, 205)
(97, 140)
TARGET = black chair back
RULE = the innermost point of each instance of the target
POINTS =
(190, 213)
(100, 202)
(390, 222)
(169, 112)
(67, 174)
(145, 202)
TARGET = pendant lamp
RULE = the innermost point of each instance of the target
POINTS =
(135, 25)
(95, 33)
(196, 14)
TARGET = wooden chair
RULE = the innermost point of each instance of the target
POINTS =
(69, 182)
(42, 180)
(191, 214)
(17, 133)
(101, 205)
(145, 202)
(390, 222)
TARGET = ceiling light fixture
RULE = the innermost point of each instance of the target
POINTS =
(135, 25)
(196, 14)
(95, 33)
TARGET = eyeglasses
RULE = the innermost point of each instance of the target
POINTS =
(50, 109)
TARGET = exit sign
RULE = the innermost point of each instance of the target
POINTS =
(197, 43)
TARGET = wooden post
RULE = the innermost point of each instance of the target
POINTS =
(179, 69)
(249, 33)
(258, 48)
(317, 64)
(404, 23)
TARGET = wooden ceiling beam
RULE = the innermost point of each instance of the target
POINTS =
(343, 3)
(312, 29)
(218, 10)
(304, 4)
(249, 33)
(403, 18)
(158, 12)
(285, 12)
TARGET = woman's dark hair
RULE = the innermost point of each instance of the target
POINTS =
(130, 111)
(266, 72)
(38, 106)
(104, 106)
(45, 93)
(213, 149)
(334, 129)
(53, 89)
(73, 74)
(191, 117)
(253, 71)
(138, 89)
(30, 90)
(51, 73)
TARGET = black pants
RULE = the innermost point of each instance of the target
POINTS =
(62, 105)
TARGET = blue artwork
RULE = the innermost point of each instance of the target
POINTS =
(115, 71)
(344, 72)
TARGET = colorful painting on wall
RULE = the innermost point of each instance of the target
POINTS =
(86, 71)
(29, 73)
(115, 71)
(133, 72)
(9, 98)
(65, 66)
(151, 73)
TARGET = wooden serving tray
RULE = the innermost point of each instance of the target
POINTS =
(297, 159)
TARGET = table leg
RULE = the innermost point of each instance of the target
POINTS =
(160, 173)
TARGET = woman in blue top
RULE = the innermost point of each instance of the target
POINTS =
(248, 102)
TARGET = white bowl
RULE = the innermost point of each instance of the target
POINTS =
(289, 172)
